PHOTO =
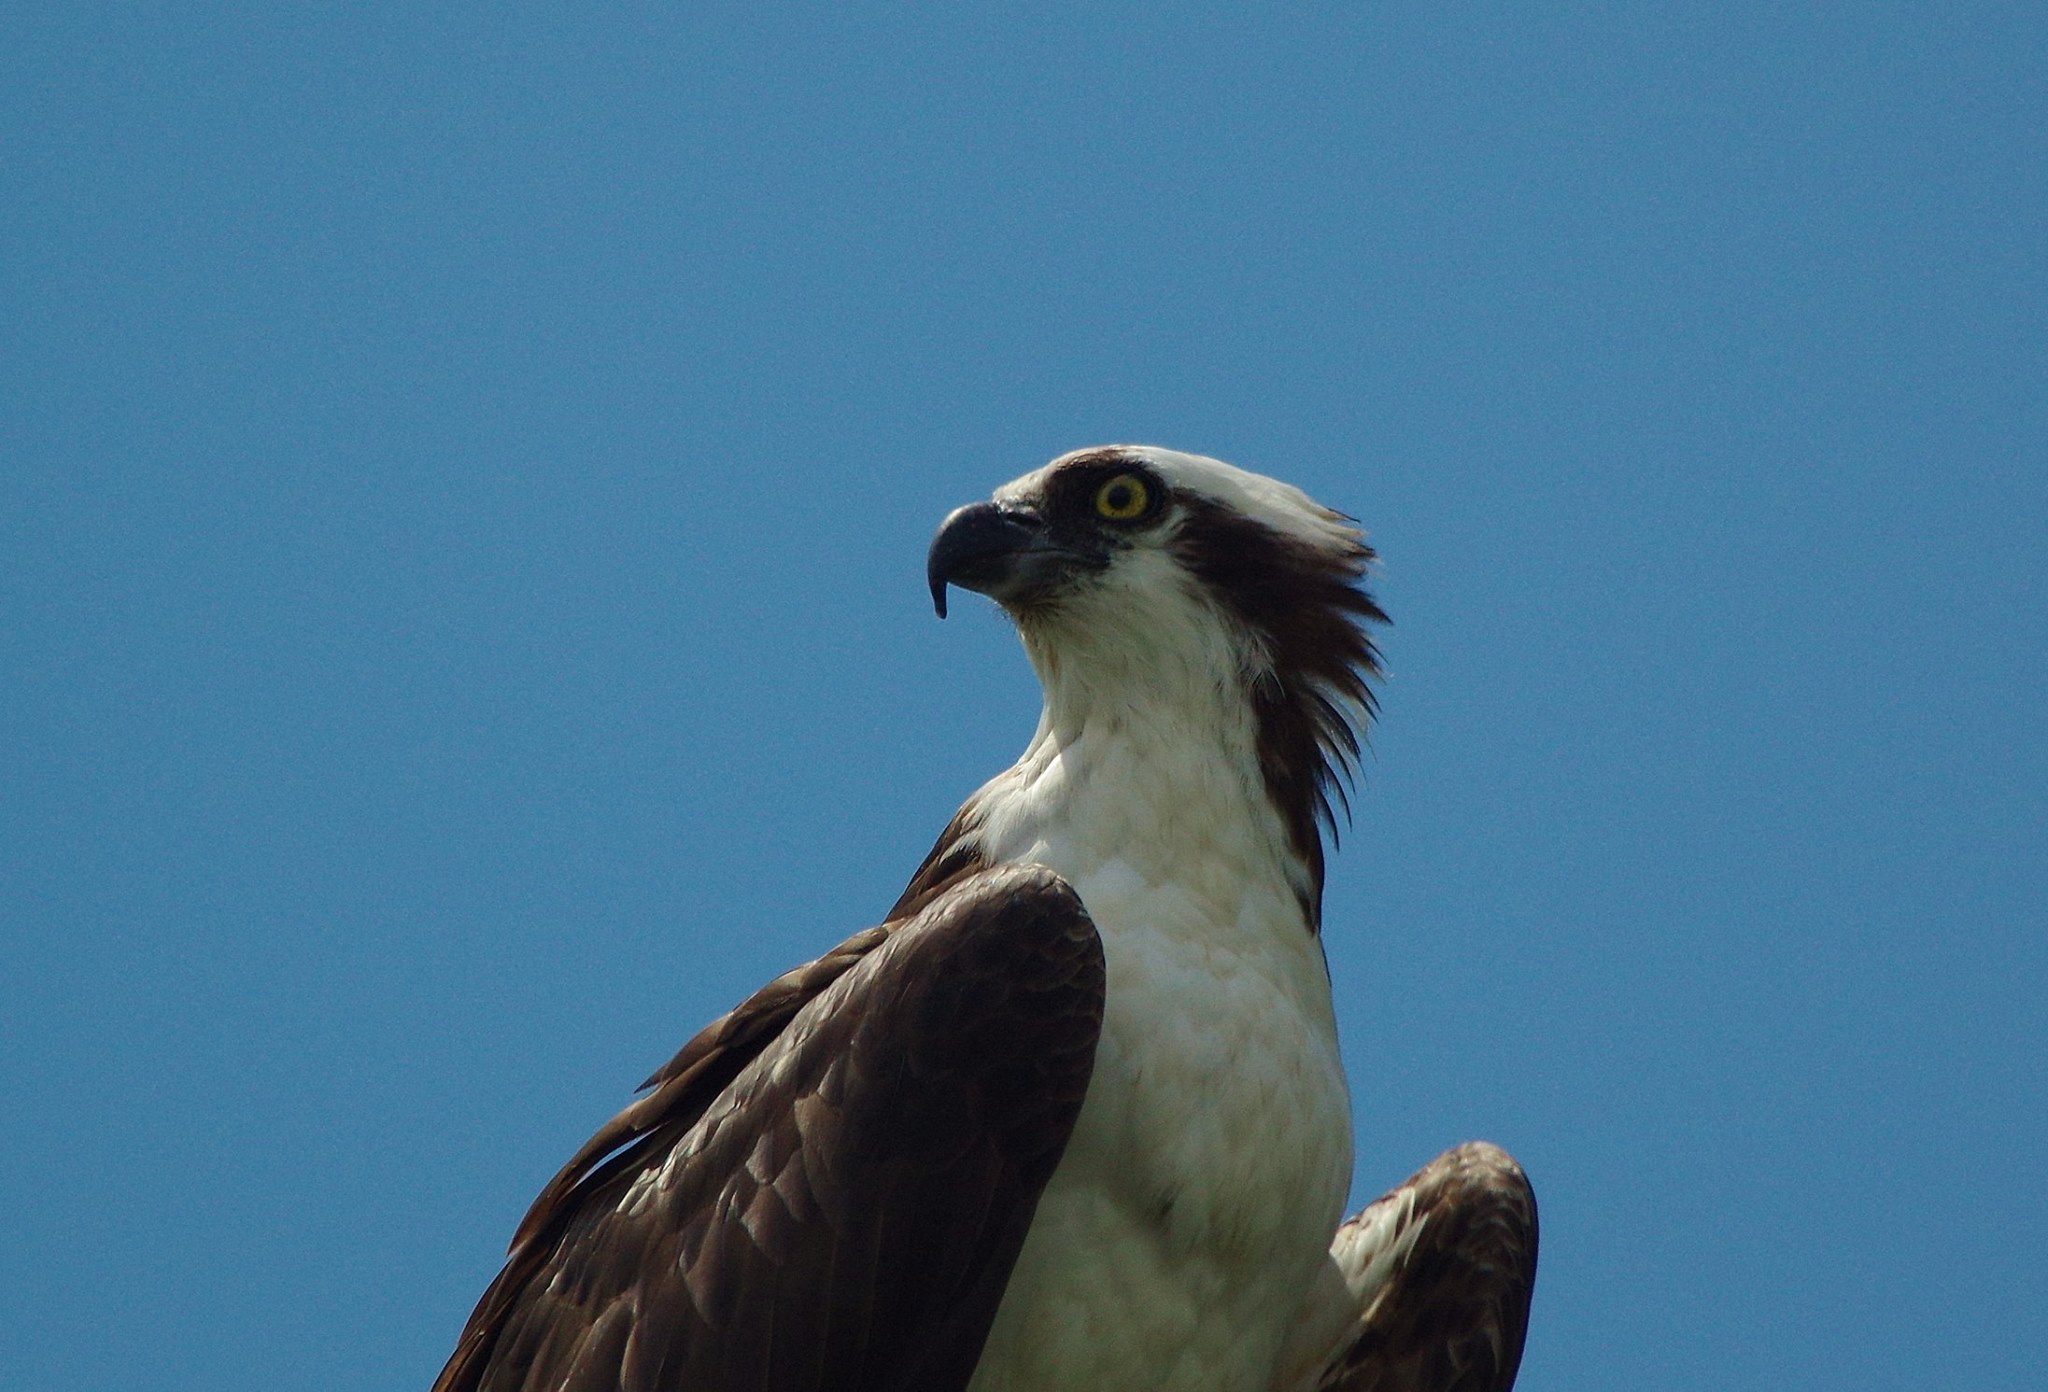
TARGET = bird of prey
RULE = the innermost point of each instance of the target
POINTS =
(1071, 1117)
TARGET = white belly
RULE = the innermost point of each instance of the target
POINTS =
(1208, 1169)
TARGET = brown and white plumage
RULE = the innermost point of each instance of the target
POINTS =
(1072, 1117)
(827, 1187)
(1439, 1271)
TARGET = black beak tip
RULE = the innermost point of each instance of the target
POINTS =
(941, 561)
(979, 547)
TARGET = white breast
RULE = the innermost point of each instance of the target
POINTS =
(1196, 1199)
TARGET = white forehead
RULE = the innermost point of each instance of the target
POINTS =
(1281, 506)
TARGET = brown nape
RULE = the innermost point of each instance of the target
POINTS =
(1308, 606)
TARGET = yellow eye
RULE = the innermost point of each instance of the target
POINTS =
(1122, 498)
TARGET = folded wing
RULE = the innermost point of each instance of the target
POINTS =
(1440, 1270)
(826, 1189)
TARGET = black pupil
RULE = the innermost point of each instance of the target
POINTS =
(1120, 497)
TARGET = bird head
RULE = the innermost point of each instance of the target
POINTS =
(1146, 581)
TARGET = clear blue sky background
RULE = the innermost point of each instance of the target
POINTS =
(464, 481)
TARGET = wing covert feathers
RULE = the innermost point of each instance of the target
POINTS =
(1442, 1268)
(827, 1188)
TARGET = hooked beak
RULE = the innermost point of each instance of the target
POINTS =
(997, 551)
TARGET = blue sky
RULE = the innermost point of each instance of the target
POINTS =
(464, 481)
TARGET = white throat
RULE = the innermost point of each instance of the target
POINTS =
(1145, 762)
(1192, 1209)
(1192, 1230)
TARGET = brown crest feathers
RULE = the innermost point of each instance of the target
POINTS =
(1306, 604)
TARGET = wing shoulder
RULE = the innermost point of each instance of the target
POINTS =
(827, 1187)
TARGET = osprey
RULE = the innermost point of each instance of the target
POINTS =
(1072, 1116)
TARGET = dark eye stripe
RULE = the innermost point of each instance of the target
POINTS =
(1075, 492)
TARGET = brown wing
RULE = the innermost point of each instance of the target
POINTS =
(827, 1189)
(1442, 1268)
